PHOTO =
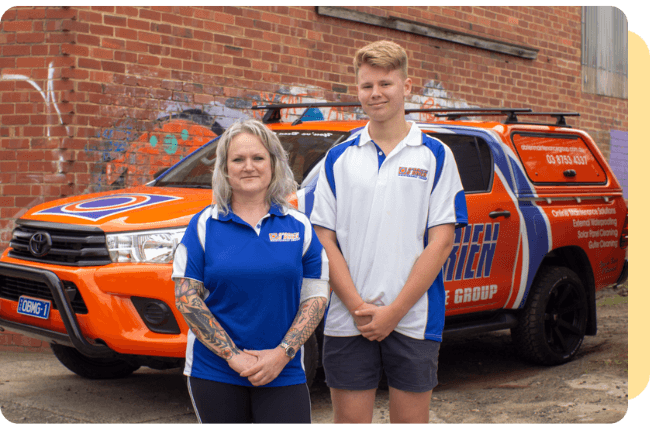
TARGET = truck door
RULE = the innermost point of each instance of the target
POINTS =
(479, 272)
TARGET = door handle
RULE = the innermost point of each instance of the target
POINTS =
(497, 214)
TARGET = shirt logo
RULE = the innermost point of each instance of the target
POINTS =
(284, 237)
(412, 172)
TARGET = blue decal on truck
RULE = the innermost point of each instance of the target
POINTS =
(102, 207)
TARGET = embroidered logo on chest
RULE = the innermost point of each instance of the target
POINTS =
(284, 237)
(412, 172)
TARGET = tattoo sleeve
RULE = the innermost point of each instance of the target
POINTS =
(307, 319)
(189, 301)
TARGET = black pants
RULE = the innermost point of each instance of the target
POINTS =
(216, 402)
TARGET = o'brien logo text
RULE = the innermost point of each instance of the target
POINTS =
(411, 172)
(284, 237)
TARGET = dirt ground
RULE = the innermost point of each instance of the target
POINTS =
(483, 380)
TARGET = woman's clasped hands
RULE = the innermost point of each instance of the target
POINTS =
(260, 367)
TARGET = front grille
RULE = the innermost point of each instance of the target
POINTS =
(70, 246)
(11, 288)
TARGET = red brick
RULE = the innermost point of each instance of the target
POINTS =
(6, 202)
(7, 63)
(30, 37)
(225, 18)
(36, 13)
(126, 33)
(16, 190)
(172, 18)
(81, 51)
(138, 24)
(17, 26)
(148, 60)
(101, 77)
(10, 51)
(149, 14)
(126, 57)
(115, 21)
(171, 63)
(30, 62)
(63, 12)
(149, 37)
(89, 63)
(15, 119)
(136, 46)
(111, 66)
(101, 30)
(6, 108)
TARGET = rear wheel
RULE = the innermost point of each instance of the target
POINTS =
(91, 367)
(552, 325)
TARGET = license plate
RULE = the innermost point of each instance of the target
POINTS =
(34, 307)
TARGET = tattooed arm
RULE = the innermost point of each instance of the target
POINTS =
(272, 361)
(189, 301)
(308, 317)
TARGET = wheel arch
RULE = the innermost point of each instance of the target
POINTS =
(575, 258)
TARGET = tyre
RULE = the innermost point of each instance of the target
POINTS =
(552, 325)
(92, 368)
(311, 358)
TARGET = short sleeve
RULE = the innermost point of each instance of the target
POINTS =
(447, 202)
(323, 213)
(189, 257)
(315, 266)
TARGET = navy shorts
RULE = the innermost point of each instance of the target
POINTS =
(356, 363)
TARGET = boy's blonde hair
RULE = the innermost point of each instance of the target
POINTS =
(385, 54)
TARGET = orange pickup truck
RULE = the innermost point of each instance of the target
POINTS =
(547, 228)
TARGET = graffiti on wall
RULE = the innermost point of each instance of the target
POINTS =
(434, 96)
(48, 94)
(129, 156)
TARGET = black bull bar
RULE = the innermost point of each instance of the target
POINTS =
(73, 337)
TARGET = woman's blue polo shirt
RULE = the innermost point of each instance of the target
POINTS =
(253, 276)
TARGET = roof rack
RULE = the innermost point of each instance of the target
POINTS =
(456, 113)
(512, 115)
(273, 111)
(559, 116)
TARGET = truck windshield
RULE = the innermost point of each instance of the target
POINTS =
(305, 148)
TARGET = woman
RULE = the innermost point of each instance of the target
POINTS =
(252, 283)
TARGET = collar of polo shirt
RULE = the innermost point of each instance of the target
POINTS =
(275, 209)
(413, 138)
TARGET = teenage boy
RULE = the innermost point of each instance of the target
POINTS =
(386, 205)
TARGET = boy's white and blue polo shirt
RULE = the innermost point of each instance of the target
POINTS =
(381, 208)
(255, 278)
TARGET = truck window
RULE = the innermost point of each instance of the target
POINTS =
(557, 159)
(473, 158)
(305, 148)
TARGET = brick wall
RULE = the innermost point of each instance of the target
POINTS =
(86, 90)
(87, 93)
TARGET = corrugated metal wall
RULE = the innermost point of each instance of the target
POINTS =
(604, 51)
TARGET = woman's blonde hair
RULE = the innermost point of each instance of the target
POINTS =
(282, 180)
(385, 54)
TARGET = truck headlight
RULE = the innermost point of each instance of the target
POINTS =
(152, 246)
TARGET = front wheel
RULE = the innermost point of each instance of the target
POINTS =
(552, 325)
(92, 368)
